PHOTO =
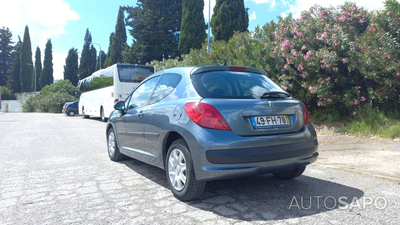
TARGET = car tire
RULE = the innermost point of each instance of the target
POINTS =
(290, 174)
(83, 113)
(180, 172)
(112, 146)
(71, 113)
(103, 118)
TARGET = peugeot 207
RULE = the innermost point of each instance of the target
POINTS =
(205, 123)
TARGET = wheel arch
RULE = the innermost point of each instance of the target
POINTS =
(168, 140)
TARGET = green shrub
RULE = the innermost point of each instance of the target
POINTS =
(51, 98)
(6, 94)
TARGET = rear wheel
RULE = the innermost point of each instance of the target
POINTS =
(180, 172)
(113, 150)
(71, 113)
(103, 118)
(290, 174)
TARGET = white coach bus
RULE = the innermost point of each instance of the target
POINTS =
(100, 91)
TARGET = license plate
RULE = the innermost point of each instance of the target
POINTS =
(270, 121)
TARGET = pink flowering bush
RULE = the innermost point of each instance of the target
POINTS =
(338, 57)
(380, 59)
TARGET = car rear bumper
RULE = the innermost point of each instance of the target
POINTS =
(218, 172)
(261, 154)
(222, 154)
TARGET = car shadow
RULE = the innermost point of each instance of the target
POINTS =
(264, 197)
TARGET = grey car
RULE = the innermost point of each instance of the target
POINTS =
(205, 123)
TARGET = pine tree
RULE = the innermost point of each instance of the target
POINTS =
(26, 63)
(192, 27)
(6, 47)
(46, 77)
(155, 30)
(71, 67)
(38, 70)
(229, 16)
(13, 73)
(117, 41)
(88, 57)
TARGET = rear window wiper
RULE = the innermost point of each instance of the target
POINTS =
(275, 94)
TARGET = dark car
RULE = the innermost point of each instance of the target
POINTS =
(71, 108)
(212, 122)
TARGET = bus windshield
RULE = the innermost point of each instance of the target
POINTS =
(136, 74)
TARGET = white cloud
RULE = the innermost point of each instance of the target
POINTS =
(301, 5)
(253, 16)
(206, 7)
(261, 1)
(58, 65)
(46, 19)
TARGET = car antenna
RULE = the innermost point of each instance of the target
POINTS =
(226, 59)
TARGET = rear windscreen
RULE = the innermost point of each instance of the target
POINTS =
(134, 74)
(231, 84)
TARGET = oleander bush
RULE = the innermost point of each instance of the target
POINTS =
(338, 58)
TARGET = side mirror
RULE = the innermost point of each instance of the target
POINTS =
(119, 106)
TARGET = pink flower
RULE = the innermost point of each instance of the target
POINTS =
(390, 85)
(284, 87)
(344, 60)
(354, 113)
(310, 88)
(329, 100)
(303, 48)
(356, 102)
(362, 99)
(388, 57)
(372, 30)
(306, 57)
(398, 74)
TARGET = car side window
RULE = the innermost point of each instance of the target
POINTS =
(165, 86)
(141, 95)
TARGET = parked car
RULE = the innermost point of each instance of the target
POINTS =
(212, 122)
(71, 108)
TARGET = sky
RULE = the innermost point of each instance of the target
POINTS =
(65, 21)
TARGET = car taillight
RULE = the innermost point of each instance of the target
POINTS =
(206, 116)
(116, 100)
(306, 116)
(66, 108)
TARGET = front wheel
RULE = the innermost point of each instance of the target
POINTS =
(180, 172)
(113, 150)
(291, 173)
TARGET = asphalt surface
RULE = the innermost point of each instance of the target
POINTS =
(54, 169)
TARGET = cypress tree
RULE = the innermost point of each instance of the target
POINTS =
(26, 70)
(118, 40)
(13, 73)
(46, 77)
(107, 62)
(88, 57)
(229, 16)
(5, 54)
(71, 67)
(193, 28)
(38, 69)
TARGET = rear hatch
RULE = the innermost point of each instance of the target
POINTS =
(249, 101)
(250, 117)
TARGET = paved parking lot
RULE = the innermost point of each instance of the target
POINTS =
(55, 169)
